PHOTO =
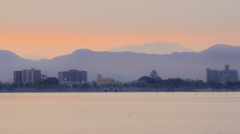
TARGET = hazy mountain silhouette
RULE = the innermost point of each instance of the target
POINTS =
(10, 62)
(127, 66)
(6, 56)
(33, 57)
(152, 48)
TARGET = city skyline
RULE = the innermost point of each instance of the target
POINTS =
(58, 27)
(129, 66)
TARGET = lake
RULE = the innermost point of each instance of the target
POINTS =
(120, 113)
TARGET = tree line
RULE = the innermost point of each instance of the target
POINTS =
(188, 84)
(147, 83)
(50, 84)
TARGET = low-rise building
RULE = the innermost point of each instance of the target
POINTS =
(228, 78)
(44, 77)
(72, 77)
(104, 81)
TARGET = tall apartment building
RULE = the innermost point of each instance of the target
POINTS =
(17, 76)
(72, 77)
(222, 76)
(27, 76)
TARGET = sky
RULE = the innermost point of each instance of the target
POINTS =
(50, 28)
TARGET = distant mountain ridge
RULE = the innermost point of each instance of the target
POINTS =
(152, 48)
(126, 66)
(33, 57)
(6, 55)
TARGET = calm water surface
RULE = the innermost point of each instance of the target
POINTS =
(120, 113)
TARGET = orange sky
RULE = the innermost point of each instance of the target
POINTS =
(57, 27)
(50, 44)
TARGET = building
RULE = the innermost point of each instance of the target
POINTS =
(140, 83)
(228, 78)
(31, 76)
(104, 81)
(44, 77)
(154, 75)
(17, 76)
(27, 76)
(222, 76)
(212, 75)
(72, 77)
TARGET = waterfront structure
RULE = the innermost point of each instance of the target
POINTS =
(27, 76)
(222, 76)
(104, 81)
(72, 77)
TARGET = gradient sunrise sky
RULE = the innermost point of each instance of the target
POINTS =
(50, 28)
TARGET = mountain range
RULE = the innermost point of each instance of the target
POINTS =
(126, 66)
(152, 48)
